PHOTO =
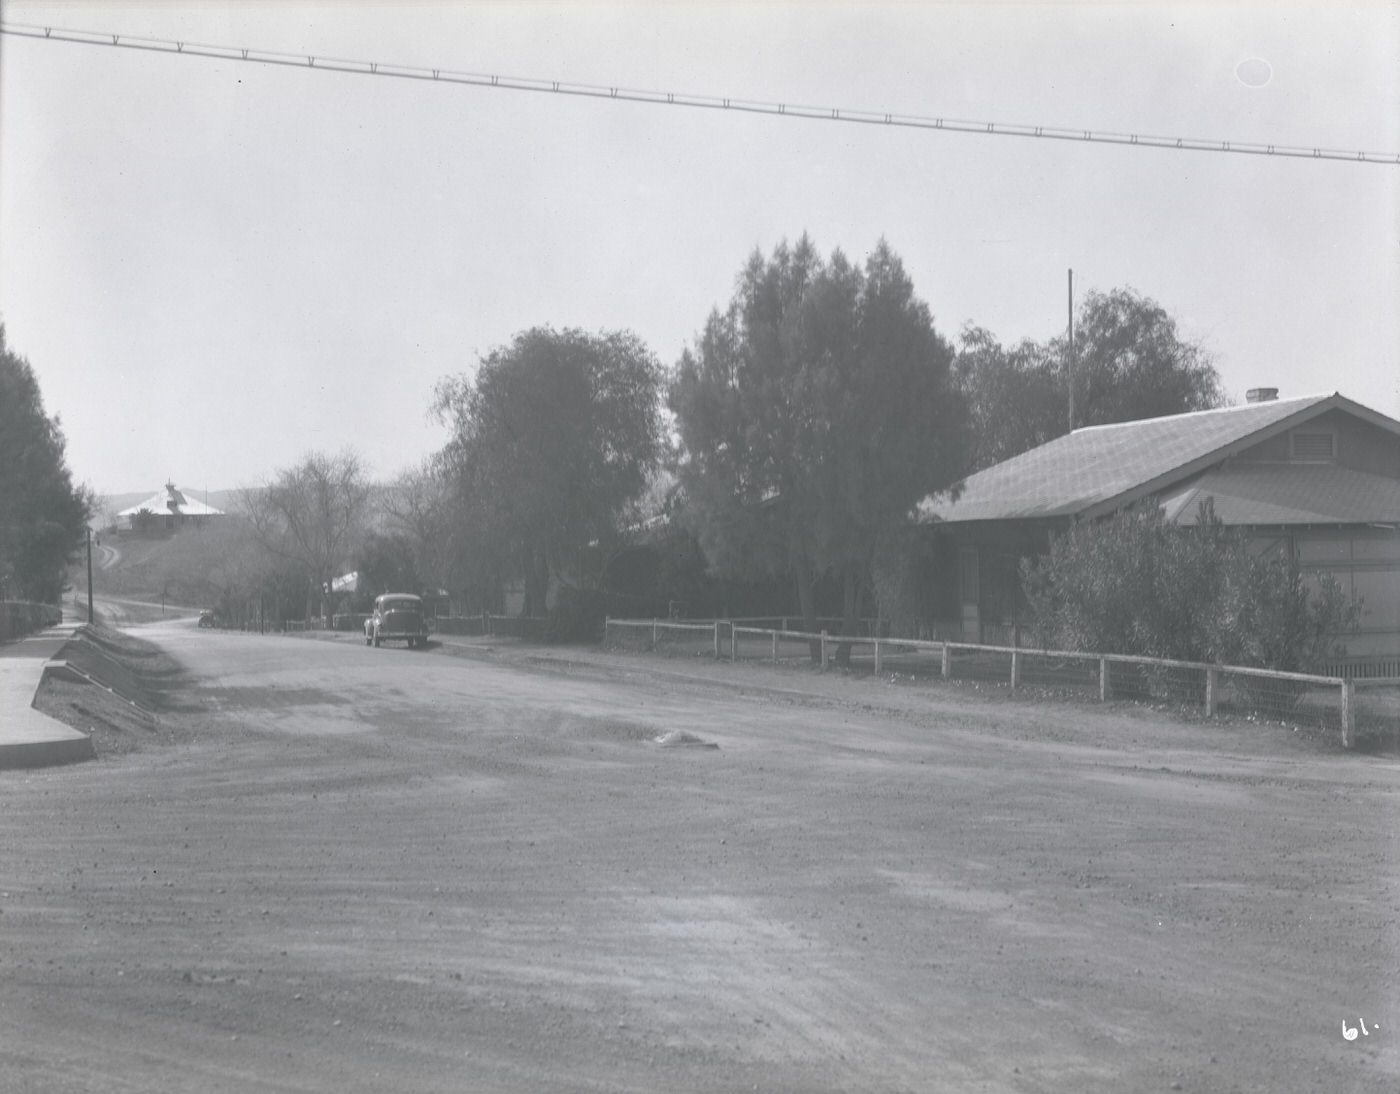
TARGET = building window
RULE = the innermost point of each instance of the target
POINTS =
(1313, 445)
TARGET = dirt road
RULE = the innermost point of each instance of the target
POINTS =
(338, 868)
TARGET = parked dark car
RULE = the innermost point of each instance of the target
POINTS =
(397, 617)
(207, 618)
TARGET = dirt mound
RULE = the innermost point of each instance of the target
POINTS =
(677, 739)
(622, 729)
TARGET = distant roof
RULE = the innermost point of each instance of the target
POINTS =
(1097, 469)
(172, 500)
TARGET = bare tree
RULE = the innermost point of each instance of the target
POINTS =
(312, 514)
(415, 508)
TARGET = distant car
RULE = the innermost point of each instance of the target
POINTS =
(208, 619)
(397, 617)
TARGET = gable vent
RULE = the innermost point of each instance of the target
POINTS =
(1314, 445)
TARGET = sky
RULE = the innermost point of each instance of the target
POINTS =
(217, 266)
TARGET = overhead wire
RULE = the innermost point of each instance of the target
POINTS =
(669, 98)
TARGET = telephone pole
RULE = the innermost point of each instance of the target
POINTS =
(1071, 351)
(89, 569)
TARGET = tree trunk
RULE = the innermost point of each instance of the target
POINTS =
(806, 601)
(851, 600)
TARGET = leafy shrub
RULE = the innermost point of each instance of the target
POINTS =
(1136, 584)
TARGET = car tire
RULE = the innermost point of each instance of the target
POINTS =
(376, 639)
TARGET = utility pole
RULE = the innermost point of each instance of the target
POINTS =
(1071, 351)
(89, 560)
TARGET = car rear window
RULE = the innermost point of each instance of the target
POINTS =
(399, 603)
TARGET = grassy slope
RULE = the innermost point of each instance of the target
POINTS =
(150, 568)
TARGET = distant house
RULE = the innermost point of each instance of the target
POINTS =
(168, 509)
(1315, 477)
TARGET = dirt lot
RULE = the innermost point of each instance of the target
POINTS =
(320, 867)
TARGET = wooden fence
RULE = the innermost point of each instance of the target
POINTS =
(1329, 701)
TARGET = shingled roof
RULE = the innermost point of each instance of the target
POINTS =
(1098, 469)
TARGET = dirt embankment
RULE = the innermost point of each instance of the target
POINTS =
(134, 698)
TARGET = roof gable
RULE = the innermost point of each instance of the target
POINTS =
(1101, 468)
(1281, 494)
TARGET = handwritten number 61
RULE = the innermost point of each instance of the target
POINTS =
(1350, 1032)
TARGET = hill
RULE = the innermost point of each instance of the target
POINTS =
(183, 568)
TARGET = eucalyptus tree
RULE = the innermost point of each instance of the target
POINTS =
(814, 412)
(553, 441)
(1130, 361)
(43, 514)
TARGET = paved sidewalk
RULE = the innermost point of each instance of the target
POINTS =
(29, 738)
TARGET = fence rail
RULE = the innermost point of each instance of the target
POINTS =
(487, 625)
(1327, 701)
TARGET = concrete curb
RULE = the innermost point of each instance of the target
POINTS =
(15, 756)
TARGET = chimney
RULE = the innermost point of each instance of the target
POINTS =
(1261, 394)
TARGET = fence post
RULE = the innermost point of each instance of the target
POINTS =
(775, 647)
(947, 662)
(1103, 679)
(1348, 714)
(607, 621)
(1212, 682)
(653, 634)
(877, 656)
(1015, 669)
(823, 651)
(716, 639)
(733, 643)
(485, 623)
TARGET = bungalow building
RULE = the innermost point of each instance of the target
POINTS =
(167, 509)
(1316, 477)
